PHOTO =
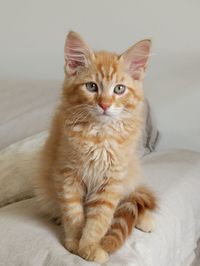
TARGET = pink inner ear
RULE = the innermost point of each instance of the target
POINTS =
(75, 53)
(136, 59)
(139, 63)
(137, 68)
(75, 59)
(136, 75)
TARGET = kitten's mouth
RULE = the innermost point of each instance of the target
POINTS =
(105, 113)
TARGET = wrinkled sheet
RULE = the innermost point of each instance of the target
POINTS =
(27, 238)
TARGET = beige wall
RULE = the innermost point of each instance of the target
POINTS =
(32, 34)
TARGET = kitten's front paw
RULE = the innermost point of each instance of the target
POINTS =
(146, 222)
(72, 245)
(93, 252)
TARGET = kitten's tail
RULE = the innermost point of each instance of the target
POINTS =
(126, 216)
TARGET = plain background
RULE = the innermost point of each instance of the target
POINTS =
(32, 35)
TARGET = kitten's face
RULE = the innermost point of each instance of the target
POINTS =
(103, 85)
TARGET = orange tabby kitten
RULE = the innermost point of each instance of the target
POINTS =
(90, 173)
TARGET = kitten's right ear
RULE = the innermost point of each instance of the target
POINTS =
(136, 59)
(77, 54)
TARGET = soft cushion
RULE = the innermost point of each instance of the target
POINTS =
(18, 168)
(27, 238)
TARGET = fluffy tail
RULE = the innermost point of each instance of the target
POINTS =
(126, 216)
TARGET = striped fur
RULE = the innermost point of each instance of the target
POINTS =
(89, 167)
(126, 217)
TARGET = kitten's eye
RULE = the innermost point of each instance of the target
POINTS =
(91, 86)
(119, 89)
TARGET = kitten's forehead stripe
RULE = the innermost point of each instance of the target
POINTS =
(110, 72)
(104, 72)
(100, 69)
(114, 71)
(106, 65)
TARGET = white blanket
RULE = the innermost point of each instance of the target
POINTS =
(27, 238)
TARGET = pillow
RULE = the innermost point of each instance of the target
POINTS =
(18, 166)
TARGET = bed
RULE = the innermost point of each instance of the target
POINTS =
(29, 238)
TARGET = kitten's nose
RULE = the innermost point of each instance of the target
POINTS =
(104, 106)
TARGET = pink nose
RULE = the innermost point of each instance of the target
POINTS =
(104, 106)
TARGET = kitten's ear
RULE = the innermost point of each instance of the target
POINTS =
(136, 59)
(77, 54)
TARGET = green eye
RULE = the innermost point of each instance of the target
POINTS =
(91, 86)
(119, 89)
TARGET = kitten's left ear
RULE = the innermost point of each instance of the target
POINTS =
(77, 53)
(136, 59)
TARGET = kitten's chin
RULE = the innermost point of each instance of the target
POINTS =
(105, 118)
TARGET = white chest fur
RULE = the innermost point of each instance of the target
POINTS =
(99, 158)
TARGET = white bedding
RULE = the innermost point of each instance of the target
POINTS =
(26, 238)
